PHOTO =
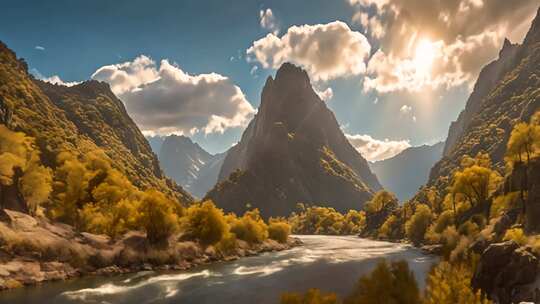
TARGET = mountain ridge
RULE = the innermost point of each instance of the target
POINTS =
(291, 148)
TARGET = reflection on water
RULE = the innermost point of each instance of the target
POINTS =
(332, 263)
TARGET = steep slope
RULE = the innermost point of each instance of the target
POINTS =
(189, 164)
(80, 119)
(155, 143)
(507, 92)
(293, 151)
(404, 173)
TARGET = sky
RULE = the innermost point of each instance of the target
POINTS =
(395, 72)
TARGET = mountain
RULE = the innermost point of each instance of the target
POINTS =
(155, 143)
(189, 164)
(506, 92)
(80, 119)
(292, 151)
(404, 173)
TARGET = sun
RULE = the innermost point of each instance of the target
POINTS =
(424, 55)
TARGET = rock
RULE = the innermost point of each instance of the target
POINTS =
(432, 249)
(18, 220)
(503, 269)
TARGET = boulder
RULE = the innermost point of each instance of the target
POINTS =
(504, 269)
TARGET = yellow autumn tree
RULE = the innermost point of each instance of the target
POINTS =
(24, 182)
(158, 216)
(250, 227)
(312, 296)
(450, 284)
(417, 225)
(205, 222)
(388, 283)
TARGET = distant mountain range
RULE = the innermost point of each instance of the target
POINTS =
(292, 152)
(188, 164)
(404, 173)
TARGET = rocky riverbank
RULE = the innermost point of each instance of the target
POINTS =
(33, 250)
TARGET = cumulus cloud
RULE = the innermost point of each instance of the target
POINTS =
(432, 44)
(164, 99)
(55, 79)
(374, 149)
(325, 95)
(326, 51)
(268, 21)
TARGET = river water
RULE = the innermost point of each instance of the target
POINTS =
(331, 263)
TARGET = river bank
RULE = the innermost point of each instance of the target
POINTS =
(331, 263)
(33, 251)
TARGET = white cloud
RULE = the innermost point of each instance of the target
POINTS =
(459, 37)
(375, 149)
(326, 51)
(165, 99)
(268, 21)
(55, 79)
(325, 95)
(39, 48)
(405, 109)
(124, 77)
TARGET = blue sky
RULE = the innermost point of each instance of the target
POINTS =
(74, 39)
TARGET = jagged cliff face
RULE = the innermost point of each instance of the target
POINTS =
(293, 151)
(488, 78)
(507, 92)
(404, 173)
(189, 164)
(79, 119)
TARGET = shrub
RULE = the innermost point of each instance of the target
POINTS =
(391, 228)
(450, 284)
(517, 235)
(417, 225)
(250, 227)
(393, 283)
(279, 231)
(227, 244)
(312, 296)
(205, 222)
(157, 216)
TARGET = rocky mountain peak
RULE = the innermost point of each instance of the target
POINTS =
(533, 35)
(296, 149)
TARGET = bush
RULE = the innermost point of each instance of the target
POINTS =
(417, 225)
(250, 227)
(391, 228)
(312, 296)
(205, 222)
(279, 231)
(227, 244)
(450, 284)
(157, 216)
(517, 235)
(393, 283)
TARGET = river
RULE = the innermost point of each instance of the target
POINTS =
(332, 263)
